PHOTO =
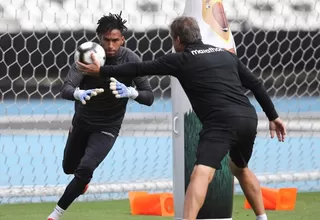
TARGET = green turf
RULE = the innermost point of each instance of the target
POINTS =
(307, 208)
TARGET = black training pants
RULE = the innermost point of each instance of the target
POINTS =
(84, 151)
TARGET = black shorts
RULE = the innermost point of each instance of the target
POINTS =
(86, 149)
(235, 135)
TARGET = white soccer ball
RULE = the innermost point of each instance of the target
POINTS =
(83, 53)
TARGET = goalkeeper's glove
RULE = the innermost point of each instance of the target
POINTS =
(120, 90)
(85, 95)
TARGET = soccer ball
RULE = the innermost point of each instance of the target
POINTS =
(83, 53)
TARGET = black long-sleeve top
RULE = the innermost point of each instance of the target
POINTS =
(214, 80)
(104, 112)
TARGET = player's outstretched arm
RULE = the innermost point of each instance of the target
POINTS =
(144, 89)
(120, 90)
(70, 88)
(166, 65)
(85, 95)
(71, 82)
(143, 94)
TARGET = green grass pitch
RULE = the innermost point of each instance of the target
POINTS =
(307, 208)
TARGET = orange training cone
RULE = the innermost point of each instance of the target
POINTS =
(132, 195)
(277, 199)
(142, 203)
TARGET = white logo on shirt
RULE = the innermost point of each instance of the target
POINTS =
(209, 50)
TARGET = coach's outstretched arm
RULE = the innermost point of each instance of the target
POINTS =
(169, 64)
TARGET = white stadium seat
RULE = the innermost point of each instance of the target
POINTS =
(53, 17)
(78, 14)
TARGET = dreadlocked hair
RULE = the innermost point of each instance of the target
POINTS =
(111, 22)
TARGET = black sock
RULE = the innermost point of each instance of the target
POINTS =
(73, 190)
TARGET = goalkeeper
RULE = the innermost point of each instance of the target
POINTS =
(96, 123)
(214, 81)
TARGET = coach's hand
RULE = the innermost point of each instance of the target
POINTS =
(85, 95)
(277, 126)
(120, 90)
(92, 69)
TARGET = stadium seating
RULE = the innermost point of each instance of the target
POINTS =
(141, 15)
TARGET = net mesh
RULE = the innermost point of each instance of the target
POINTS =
(279, 41)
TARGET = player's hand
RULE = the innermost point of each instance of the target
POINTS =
(85, 95)
(92, 69)
(277, 126)
(120, 90)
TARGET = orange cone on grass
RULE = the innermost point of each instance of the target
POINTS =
(277, 199)
(142, 203)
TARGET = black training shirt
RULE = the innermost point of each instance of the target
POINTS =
(104, 112)
(213, 79)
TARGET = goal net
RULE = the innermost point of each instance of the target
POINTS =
(278, 40)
